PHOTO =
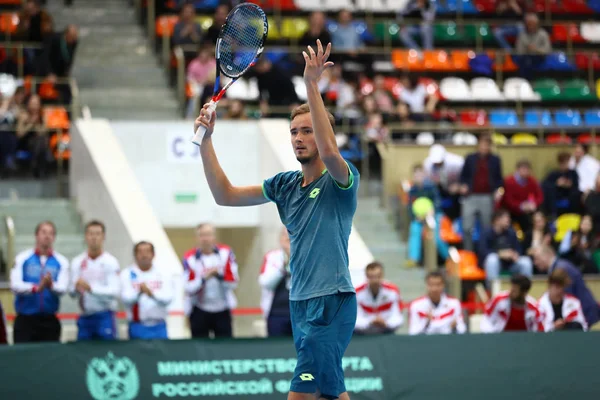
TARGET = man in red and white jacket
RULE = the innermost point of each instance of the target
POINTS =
(378, 304)
(274, 280)
(435, 313)
(212, 275)
(561, 311)
(512, 310)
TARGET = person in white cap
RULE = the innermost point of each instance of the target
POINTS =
(443, 168)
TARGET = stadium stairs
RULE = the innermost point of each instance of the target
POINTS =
(28, 203)
(117, 74)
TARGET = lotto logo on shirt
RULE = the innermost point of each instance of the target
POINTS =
(152, 285)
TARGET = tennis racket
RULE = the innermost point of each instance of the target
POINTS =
(240, 44)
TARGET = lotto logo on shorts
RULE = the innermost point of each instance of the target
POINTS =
(307, 377)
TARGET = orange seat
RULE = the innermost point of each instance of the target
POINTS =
(468, 268)
(407, 59)
(189, 93)
(47, 91)
(447, 232)
(506, 63)
(65, 141)
(56, 118)
(460, 60)
(9, 22)
(436, 60)
(165, 25)
(557, 138)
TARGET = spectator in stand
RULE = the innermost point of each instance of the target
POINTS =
(436, 312)
(533, 44)
(347, 104)
(586, 166)
(187, 31)
(422, 188)
(374, 125)
(561, 188)
(316, 30)
(212, 275)
(10, 110)
(32, 136)
(212, 33)
(38, 279)
(201, 76)
(274, 280)
(500, 249)
(512, 310)
(378, 304)
(592, 205)
(275, 88)
(345, 38)
(481, 183)
(580, 247)
(382, 96)
(561, 311)
(443, 169)
(508, 10)
(540, 233)
(424, 11)
(236, 110)
(546, 260)
(95, 282)
(522, 195)
(146, 292)
(415, 103)
(35, 23)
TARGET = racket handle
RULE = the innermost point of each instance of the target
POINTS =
(199, 135)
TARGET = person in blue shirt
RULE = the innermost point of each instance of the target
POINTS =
(316, 205)
(38, 279)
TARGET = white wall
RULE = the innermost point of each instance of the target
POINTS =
(166, 164)
(105, 187)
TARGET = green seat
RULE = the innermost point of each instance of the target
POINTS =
(447, 33)
(548, 89)
(472, 31)
(386, 31)
(577, 90)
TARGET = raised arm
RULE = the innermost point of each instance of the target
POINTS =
(223, 191)
(323, 131)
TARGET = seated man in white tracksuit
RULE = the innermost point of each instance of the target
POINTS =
(147, 291)
(559, 310)
(435, 313)
(378, 304)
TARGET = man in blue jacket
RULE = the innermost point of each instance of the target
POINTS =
(39, 277)
(481, 181)
(546, 260)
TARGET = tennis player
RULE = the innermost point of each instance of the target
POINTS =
(316, 205)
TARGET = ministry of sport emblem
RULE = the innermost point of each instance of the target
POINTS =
(112, 378)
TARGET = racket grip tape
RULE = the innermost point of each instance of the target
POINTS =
(199, 135)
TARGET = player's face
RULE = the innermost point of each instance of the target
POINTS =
(303, 139)
(144, 256)
(94, 237)
(375, 277)
(205, 237)
(435, 287)
(44, 238)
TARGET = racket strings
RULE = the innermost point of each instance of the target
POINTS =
(241, 39)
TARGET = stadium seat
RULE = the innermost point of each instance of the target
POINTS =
(576, 7)
(592, 117)
(447, 232)
(453, 6)
(425, 139)
(590, 31)
(565, 223)
(504, 63)
(565, 32)
(587, 138)
(206, 22)
(557, 62)
(300, 87)
(474, 117)
(253, 92)
(586, 60)
(64, 146)
(577, 90)
(385, 32)
(538, 118)
(239, 91)
(455, 89)
(519, 89)
(407, 59)
(567, 118)
(9, 23)
(555, 6)
(475, 32)
(548, 89)
(503, 118)
(165, 25)
(8, 85)
(447, 32)
(557, 138)
(274, 33)
(464, 139)
(56, 118)
(460, 60)
(436, 60)
(499, 139)
(293, 28)
(523, 138)
(485, 89)
(598, 88)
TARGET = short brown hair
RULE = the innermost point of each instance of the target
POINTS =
(559, 277)
(523, 162)
(373, 265)
(95, 222)
(142, 243)
(563, 157)
(305, 109)
(49, 223)
(485, 138)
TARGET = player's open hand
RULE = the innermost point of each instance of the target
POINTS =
(317, 62)
(207, 119)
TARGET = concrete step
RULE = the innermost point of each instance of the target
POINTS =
(119, 114)
(145, 76)
(69, 245)
(129, 98)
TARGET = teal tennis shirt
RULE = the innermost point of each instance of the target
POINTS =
(318, 218)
